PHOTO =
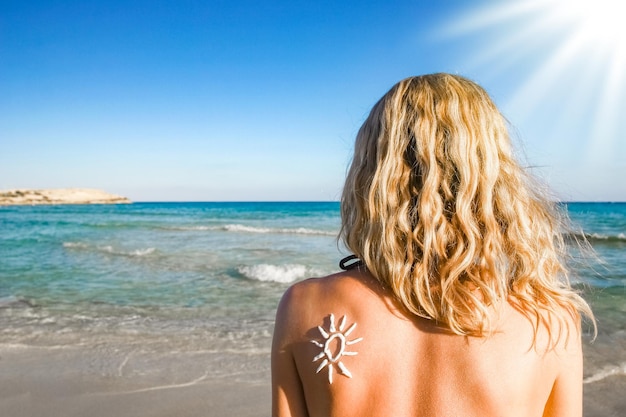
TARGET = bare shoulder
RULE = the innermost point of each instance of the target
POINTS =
(304, 307)
(343, 288)
(557, 331)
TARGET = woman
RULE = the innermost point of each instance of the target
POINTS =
(457, 302)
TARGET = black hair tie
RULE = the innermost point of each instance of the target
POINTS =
(346, 266)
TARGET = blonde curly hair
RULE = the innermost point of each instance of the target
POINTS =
(440, 212)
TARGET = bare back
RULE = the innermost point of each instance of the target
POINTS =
(408, 366)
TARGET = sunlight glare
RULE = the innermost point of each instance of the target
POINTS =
(598, 20)
(571, 57)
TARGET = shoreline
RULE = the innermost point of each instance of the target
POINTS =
(74, 381)
(57, 196)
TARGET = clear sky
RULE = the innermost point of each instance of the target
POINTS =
(250, 100)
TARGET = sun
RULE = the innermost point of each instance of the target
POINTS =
(596, 24)
(599, 20)
(334, 347)
(567, 59)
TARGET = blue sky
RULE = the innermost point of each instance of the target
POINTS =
(247, 100)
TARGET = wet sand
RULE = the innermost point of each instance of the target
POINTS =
(605, 372)
(605, 398)
(79, 381)
(69, 382)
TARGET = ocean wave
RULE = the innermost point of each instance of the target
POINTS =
(273, 273)
(109, 249)
(598, 237)
(136, 252)
(77, 245)
(606, 372)
(298, 230)
(194, 228)
(242, 228)
(621, 237)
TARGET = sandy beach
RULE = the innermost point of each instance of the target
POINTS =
(604, 390)
(605, 398)
(106, 381)
(68, 382)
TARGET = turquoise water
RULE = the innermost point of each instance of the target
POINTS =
(161, 255)
(196, 275)
(603, 274)
(604, 227)
(173, 275)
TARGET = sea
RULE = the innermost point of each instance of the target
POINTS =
(144, 283)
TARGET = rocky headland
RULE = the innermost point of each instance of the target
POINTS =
(59, 196)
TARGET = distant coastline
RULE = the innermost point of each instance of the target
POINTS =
(24, 197)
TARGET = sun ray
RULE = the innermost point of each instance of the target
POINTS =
(323, 332)
(350, 329)
(568, 59)
(344, 370)
(318, 344)
(351, 342)
(322, 365)
(330, 373)
(541, 81)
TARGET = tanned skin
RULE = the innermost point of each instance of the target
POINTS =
(410, 366)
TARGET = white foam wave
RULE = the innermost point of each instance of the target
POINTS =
(170, 386)
(298, 230)
(242, 228)
(143, 252)
(599, 236)
(30, 346)
(109, 249)
(247, 229)
(273, 273)
(606, 372)
(78, 245)
(198, 228)
(136, 252)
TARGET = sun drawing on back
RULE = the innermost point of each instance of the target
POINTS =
(333, 356)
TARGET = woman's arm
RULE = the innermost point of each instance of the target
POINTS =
(287, 394)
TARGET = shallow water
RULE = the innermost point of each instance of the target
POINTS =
(204, 278)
